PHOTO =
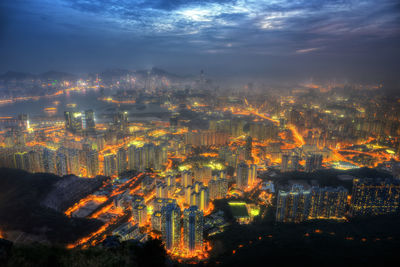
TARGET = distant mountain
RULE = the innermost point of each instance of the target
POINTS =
(118, 73)
(14, 75)
(59, 76)
(159, 72)
(50, 75)
(114, 74)
(107, 75)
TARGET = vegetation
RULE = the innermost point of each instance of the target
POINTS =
(20, 196)
(151, 253)
(365, 241)
(360, 242)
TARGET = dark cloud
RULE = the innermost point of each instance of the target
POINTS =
(284, 37)
(176, 4)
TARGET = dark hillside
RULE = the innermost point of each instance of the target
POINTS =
(20, 196)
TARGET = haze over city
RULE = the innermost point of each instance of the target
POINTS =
(199, 132)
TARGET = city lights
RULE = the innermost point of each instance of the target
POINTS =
(270, 135)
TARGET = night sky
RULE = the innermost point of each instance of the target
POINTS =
(278, 38)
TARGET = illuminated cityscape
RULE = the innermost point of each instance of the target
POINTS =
(160, 178)
(257, 140)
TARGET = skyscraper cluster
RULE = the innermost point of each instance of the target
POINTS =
(218, 186)
(370, 197)
(313, 162)
(242, 176)
(193, 224)
(79, 122)
(246, 175)
(206, 138)
(202, 174)
(328, 203)
(298, 204)
(197, 195)
(110, 165)
(294, 205)
(290, 163)
(375, 197)
(170, 217)
(62, 161)
(147, 156)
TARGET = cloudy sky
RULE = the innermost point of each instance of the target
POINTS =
(274, 38)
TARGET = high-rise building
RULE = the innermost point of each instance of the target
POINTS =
(159, 203)
(68, 120)
(88, 121)
(137, 200)
(218, 187)
(160, 157)
(156, 220)
(161, 190)
(23, 121)
(290, 163)
(21, 161)
(61, 162)
(73, 121)
(202, 174)
(195, 199)
(193, 229)
(242, 176)
(285, 163)
(148, 156)
(170, 180)
(328, 203)
(188, 193)
(236, 126)
(171, 226)
(293, 206)
(295, 163)
(35, 161)
(92, 163)
(222, 174)
(73, 161)
(213, 186)
(110, 165)
(313, 162)
(121, 161)
(248, 148)
(206, 138)
(263, 130)
(197, 186)
(136, 158)
(204, 198)
(252, 174)
(375, 197)
(132, 160)
(121, 120)
(187, 178)
(140, 214)
(49, 160)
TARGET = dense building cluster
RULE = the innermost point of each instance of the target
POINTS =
(375, 197)
(370, 197)
(170, 149)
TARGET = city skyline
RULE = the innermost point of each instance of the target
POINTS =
(199, 132)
